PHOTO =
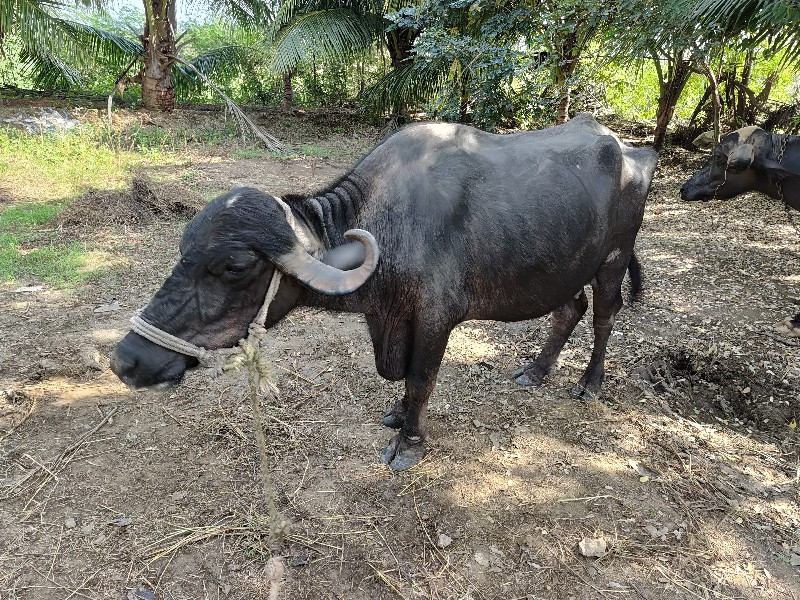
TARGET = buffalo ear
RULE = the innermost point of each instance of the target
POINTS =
(740, 158)
(345, 257)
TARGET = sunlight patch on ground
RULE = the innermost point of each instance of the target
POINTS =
(473, 343)
(109, 335)
(68, 392)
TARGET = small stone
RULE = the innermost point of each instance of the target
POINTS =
(795, 560)
(444, 540)
(69, 523)
(481, 559)
(298, 561)
(593, 547)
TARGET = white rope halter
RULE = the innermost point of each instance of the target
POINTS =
(256, 328)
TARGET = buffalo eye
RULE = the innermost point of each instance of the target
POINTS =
(233, 265)
(237, 268)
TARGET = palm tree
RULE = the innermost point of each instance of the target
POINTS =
(305, 30)
(337, 28)
(55, 48)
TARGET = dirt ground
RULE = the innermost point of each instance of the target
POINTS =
(687, 468)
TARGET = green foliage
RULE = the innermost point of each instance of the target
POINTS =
(496, 63)
(775, 21)
(29, 254)
(29, 215)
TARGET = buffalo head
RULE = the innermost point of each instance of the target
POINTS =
(229, 252)
(744, 160)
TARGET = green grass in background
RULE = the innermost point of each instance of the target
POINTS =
(30, 253)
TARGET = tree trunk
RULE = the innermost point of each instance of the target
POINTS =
(288, 93)
(562, 115)
(400, 42)
(158, 40)
(463, 99)
(568, 56)
(671, 87)
(742, 104)
(715, 99)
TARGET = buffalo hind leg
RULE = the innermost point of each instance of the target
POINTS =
(563, 320)
(407, 447)
(607, 300)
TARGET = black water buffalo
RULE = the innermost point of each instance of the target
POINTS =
(470, 225)
(746, 160)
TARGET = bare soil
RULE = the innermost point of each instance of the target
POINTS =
(687, 468)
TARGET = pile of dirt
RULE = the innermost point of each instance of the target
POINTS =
(144, 202)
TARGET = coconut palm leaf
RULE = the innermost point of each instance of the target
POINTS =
(247, 13)
(97, 45)
(338, 33)
(408, 85)
(32, 21)
(71, 47)
(222, 63)
(49, 71)
(775, 20)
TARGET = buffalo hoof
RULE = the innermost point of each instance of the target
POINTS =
(529, 375)
(402, 454)
(392, 420)
(584, 392)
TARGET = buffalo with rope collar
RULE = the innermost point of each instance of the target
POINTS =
(747, 160)
(466, 225)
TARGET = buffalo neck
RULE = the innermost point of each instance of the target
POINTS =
(333, 211)
(328, 215)
(788, 188)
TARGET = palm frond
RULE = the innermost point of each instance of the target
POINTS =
(221, 63)
(413, 83)
(48, 71)
(292, 9)
(336, 33)
(93, 45)
(246, 13)
(777, 21)
(33, 22)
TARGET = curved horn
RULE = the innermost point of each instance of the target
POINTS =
(329, 280)
(740, 158)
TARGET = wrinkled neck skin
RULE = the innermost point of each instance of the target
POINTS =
(791, 162)
(324, 218)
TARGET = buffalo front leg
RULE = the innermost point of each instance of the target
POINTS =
(563, 320)
(407, 448)
(607, 300)
(391, 339)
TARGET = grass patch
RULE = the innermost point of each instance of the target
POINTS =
(316, 151)
(249, 153)
(29, 254)
(56, 264)
(30, 215)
